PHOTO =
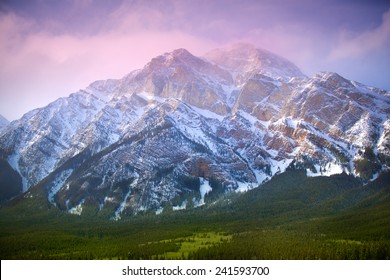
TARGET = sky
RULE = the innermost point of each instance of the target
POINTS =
(50, 48)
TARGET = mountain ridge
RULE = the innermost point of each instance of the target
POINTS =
(162, 133)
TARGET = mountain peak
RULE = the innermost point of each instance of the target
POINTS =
(177, 59)
(154, 136)
(182, 53)
(246, 58)
(181, 68)
(178, 56)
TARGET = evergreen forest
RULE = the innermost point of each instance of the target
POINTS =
(290, 217)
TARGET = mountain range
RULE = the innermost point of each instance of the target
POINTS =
(186, 127)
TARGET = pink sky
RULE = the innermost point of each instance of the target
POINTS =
(50, 49)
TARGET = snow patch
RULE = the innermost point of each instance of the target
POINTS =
(360, 131)
(150, 97)
(374, 177)
(207, 114)
(253, 120)
(180, 207)
(261, 176)
(244, 187)
(77, 209)
(159, 211)
(204, 189)
(384, 129)
(58, 183)
(109, 199)
(280, 166)
(122, 206)
(327, 170)
(292, 123)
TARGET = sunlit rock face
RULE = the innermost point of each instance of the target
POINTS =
(235, 116)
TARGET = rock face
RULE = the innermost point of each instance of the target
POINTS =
(234, 118)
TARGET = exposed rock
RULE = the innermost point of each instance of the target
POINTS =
(239, 116)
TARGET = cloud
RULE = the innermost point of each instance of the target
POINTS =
(39, 65)
(48, 51)
(355, 45)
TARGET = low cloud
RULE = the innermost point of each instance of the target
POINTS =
(39, 66)
(51, 54)
(354, 45)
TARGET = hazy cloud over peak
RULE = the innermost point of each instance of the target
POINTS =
(52, 48)
(353, 44)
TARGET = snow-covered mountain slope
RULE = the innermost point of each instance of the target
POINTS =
(229, 121)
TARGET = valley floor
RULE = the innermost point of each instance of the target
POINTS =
(306, 218)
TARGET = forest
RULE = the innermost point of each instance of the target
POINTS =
(290, 217)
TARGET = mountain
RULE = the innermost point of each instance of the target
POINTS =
(244, 60)
(184, 127)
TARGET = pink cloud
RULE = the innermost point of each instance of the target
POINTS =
(354, 45)
(39, 66)
(43, 59)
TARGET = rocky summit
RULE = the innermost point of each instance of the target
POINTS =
(186, 127)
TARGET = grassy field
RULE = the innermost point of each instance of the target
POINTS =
(184, 248)
(290, 217)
